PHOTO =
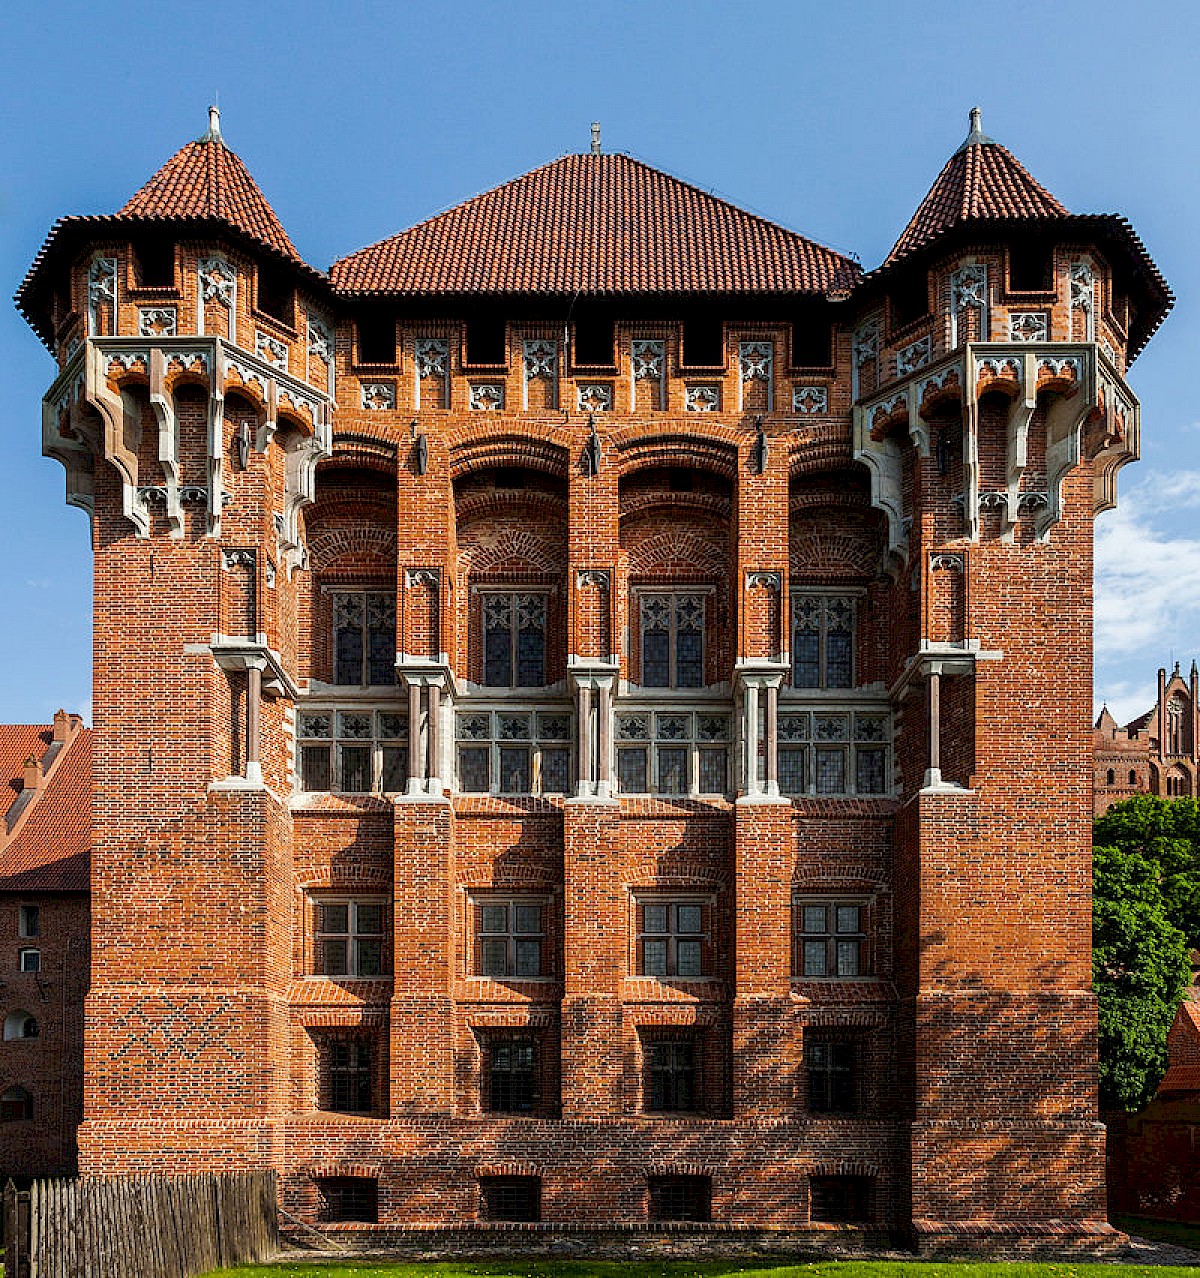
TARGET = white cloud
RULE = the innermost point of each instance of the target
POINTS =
(1147, 590)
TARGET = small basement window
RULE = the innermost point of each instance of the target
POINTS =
(680, 1198)
(348, 1198)
(842, 1199)
(376, 339)
(511, 1197)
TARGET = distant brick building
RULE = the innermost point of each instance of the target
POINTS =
(1154, 1155)
(44, 923)
(1156, 753)
(592, 699)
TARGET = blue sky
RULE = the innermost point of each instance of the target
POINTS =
(359, 119)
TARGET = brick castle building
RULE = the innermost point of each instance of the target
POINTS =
(45, 834)
(592, 698)
(1156, 753)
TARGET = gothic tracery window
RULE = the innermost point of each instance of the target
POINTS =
(514, 639)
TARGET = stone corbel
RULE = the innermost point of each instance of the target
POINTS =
(1122, 434)
(77, 455)
(1064, 434)
(114, 412)
(168, 438)
(1020, 413)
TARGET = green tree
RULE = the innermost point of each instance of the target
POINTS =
(1165, 832)
(1139, 968)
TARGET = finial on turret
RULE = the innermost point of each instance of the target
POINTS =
(595, 137)
(976, 137)
(214, 125)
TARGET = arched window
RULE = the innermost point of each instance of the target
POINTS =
(1175, 725)
(1133, 776)
(20, 1024)
(16, 1105)
(1112, 778)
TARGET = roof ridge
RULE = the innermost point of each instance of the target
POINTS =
(706, 193)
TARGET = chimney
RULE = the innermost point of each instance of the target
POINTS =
(33, 773)
(65, 725)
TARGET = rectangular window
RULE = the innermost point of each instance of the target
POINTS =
(511, 1197)
(29, 920)
(511, 1073)
(842, 1199)
(673, 752)
(673, 937)
(350, 937)
(822, 641)
(30, 960)
(672, 1076)
(517, 752)
(514, 640)
(830, 938)
(352, 751)
(672, 637)
(510, 938)
(348, 1198)
(834, 752)
(832, 1085)
(364, 638)
(679, 1197)
(347, 1082)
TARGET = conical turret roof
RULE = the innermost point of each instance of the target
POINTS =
(205, 180)
(982, 181)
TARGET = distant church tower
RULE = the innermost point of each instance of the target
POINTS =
(1156, 753)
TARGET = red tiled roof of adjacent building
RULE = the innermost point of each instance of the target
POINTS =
(595, 224)
(1180, 1078)
(50, 850)
(204, 180)
(982, 181)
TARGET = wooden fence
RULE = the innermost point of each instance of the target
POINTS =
(139, 1226)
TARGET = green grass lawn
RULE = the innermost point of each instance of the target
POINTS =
(699, 1269)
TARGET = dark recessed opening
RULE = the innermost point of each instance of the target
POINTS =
(1030, 267)
(909, 300)
(842, 1200)
(348, 1198)
(595, 341)
(812, 340)
(680, 1197)
(703, 342)
(680, 481)
(508, 477)
(485, 340)
(154, 262)
(511, 1197)
(276, 295)
(376, 338)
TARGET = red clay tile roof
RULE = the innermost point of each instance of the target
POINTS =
(1181, 1078)
(982, 181)
(52, 848)
(595, 224)
(205, 180)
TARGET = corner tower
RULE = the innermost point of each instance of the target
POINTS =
(993, 414)
(193, 401)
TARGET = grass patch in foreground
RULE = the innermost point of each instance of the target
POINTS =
(699, 1269)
